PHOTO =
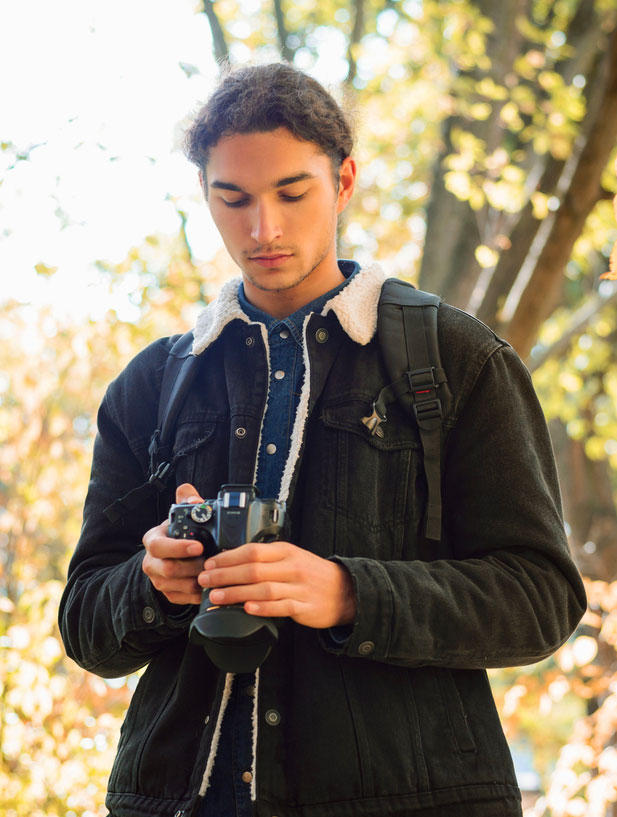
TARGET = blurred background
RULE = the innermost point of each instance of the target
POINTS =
(486, 144)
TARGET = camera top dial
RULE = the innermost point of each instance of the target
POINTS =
(202, 513)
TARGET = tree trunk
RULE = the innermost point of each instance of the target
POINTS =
(589, 507)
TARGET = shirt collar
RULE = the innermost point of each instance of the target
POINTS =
(355, 306)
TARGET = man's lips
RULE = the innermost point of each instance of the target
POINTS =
(272, 260)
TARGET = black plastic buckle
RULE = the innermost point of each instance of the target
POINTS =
(422, 379)
(159, 478)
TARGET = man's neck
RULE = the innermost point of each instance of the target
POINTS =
(282, 303)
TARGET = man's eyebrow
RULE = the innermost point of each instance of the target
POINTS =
(298, 177)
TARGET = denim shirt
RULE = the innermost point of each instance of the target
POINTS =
(229, 791)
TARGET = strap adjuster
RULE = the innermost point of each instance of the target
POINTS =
(422, 379)
(427, 409)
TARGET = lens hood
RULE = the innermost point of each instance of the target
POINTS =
(234, 640)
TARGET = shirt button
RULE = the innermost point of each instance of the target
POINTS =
(273, 718)
(247, 777)
(271, 448)
(366, 648)
(240, 432)
(279, 375)
(284, 333)
(321, 335)
(250, 341)
(249, 690)
(148, 615)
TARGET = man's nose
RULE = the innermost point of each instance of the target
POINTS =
(266, 226)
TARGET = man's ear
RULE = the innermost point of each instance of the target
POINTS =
(347, 181)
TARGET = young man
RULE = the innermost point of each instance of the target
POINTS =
(374, 700)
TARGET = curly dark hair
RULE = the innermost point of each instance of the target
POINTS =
(265, 97)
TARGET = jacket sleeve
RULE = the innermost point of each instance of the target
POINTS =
(509, 594)
(112, 620)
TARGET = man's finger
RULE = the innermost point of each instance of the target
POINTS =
(162, 547)
(187, 493)
(251, 552)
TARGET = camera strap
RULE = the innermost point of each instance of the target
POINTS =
(407, 333)
(180, 370)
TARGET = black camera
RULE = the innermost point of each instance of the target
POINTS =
(234, 640)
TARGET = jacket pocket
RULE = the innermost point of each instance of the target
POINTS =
(383, 706)
(195, 453)
(457, 717)
(372, 485)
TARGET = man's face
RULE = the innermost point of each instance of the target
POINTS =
(275, 204)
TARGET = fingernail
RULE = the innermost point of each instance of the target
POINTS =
(195, 549)
(193, 499)
(217, 595)
(210, 564)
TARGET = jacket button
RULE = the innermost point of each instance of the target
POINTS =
(366, 648)
(247, 777)
(148, 615)
(321, 335)
(273, 718)
(250, 341)
(240, 432)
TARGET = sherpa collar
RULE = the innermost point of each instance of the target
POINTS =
(355, 306)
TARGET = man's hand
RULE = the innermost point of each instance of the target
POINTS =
(281, 579)
(172, 565)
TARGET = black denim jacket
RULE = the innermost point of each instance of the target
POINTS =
(400, 717)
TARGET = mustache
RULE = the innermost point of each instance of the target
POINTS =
(268, 251)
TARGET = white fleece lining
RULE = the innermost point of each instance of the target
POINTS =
(299, 421)
(264, 335)
(217, 733)
(254, 725)
(355, 306)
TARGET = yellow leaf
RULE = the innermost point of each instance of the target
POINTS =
(485, 256)
(584, 649)
(539, 203)
(43, 269)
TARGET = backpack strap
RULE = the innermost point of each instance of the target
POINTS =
(407, 332)
(180, 370)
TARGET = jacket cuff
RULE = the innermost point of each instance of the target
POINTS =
(369, 636)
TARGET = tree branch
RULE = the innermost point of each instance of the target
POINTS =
(578, 321)
(357, 33)
(287, 53)
(542, 291)
(219, 44)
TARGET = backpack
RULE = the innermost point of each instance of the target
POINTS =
(407, 334)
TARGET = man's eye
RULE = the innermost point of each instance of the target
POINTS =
(287, 197)
(235, 203)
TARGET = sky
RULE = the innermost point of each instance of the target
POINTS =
(95, 93)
